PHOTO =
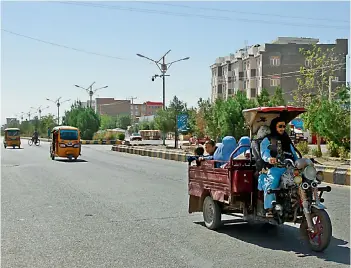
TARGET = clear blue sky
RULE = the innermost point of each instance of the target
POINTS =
(33, 71)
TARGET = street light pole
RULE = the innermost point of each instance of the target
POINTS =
(90, 91)
(58, 104)
(163, 67)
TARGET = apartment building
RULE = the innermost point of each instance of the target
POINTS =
(151, 107)
(267, 66)
(117, 107)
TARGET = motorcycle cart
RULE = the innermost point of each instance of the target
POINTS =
(233, 188)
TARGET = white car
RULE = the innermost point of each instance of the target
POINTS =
(136, 137)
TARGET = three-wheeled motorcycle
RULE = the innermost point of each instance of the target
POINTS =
(232, 189)
(12, 138)
(65, 142)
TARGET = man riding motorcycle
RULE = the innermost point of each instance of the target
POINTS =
(35, 137)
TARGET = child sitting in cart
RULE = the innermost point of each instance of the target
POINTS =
(198, 152)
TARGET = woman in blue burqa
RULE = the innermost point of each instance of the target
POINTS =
(224, 150)
(245, 142)
(276, 146)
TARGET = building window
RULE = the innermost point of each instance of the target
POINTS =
(230, 91)
(336, 79)
(275, 61)
(275, 82)
(219, 70)
(219, 89)
(229, 79)
(253, 72)
(308, 63)
(229, 67)
(253, 92)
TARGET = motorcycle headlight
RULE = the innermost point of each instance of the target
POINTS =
(310, 173)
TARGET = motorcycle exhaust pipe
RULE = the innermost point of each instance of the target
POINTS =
(305, 186)
(306, 209)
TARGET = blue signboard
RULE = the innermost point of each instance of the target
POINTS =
(182, 122)
(298, 123)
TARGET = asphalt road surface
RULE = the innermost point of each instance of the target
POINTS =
(118, 210)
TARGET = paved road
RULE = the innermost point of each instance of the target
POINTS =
(119, 210)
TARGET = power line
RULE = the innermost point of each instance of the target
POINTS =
(151, 11)
(64, 46)
(240, 12)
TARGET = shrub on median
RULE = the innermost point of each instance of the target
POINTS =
(303, 147)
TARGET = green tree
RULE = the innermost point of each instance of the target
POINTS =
(313, 85)
(108, 122)
(263, 99)
(123, 121)
(277, 99)
(83, 118)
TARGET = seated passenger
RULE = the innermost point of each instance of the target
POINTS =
(260, 164)
(198, 152)
(276, 146)
(245, 140)
(224, 150)
(210, 147)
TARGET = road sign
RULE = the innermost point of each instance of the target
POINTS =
(182, 122)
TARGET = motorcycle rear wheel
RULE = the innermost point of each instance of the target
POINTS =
(319, 240)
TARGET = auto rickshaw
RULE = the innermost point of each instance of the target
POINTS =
(65, 142)
(12, 138)
(233, 188)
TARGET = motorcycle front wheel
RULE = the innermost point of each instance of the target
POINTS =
(320, 239)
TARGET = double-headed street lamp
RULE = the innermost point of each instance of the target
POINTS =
(90, 91)
(163, 67)
(58, 104)
(39, 109)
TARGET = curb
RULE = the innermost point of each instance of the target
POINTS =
(100, 142)
(333, 175)
(162, 154)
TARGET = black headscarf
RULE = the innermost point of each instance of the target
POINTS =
(285, 139)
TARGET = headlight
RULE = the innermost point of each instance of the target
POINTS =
(320, 176)
(310, 173)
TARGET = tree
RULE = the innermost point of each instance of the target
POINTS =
(313, 85)
(313, 81)
(83, 118)
(277, 99)
(263, 99)
(108, 122)
(123, 121)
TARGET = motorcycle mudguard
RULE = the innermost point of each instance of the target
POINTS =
(319, 206)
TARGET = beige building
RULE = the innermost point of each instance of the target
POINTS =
(266, 66)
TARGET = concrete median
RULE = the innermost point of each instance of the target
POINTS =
(99, 142)
(333, 175)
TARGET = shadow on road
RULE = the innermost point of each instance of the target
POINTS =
(285, 237)
(72, 161)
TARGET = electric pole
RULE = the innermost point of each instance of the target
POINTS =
(90, 91)
(132, 105)
(163, 67)
(58, 104)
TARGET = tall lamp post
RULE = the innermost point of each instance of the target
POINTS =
(90, 91)
(163, 67)
(39, 109)
(58, 104)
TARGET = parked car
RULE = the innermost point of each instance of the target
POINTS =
(136, 137)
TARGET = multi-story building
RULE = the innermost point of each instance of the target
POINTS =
(151, 107)
(117, 107)
(268, 66)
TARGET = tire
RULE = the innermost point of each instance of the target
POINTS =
(30, 142)
(211, 213)
(320, 241)
(38, 143)
(5, 146)
(13, 146)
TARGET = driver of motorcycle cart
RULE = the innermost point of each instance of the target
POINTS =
(275, 148)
